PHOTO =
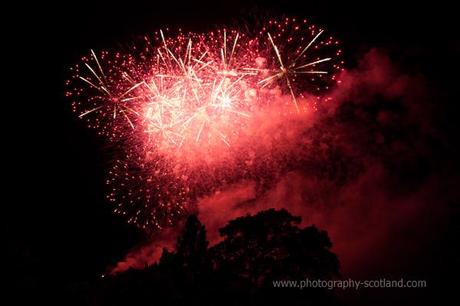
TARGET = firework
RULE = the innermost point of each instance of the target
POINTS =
(184, 105)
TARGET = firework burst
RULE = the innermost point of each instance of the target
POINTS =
(184, 106)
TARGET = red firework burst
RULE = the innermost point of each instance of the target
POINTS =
(184, 105)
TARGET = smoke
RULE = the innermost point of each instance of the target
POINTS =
(365, 167)
(148, 253)
(372, 227)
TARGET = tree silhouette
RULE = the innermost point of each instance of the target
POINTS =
(271, 246)
(192, 245)
(255, 251)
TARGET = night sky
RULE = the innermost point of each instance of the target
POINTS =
(61, 233)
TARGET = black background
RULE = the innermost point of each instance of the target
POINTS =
(60, 231)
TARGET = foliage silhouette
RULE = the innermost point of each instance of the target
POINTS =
(240, 270)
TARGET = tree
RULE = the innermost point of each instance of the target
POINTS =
(238, 271)
(192, 246)
(270, 245)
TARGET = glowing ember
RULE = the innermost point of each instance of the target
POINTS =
(185, 106)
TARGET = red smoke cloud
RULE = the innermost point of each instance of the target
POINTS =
(365, 174)
(371, 227)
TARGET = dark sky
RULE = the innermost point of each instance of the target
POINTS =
(61, 231)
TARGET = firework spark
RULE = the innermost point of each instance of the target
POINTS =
(182, 106)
